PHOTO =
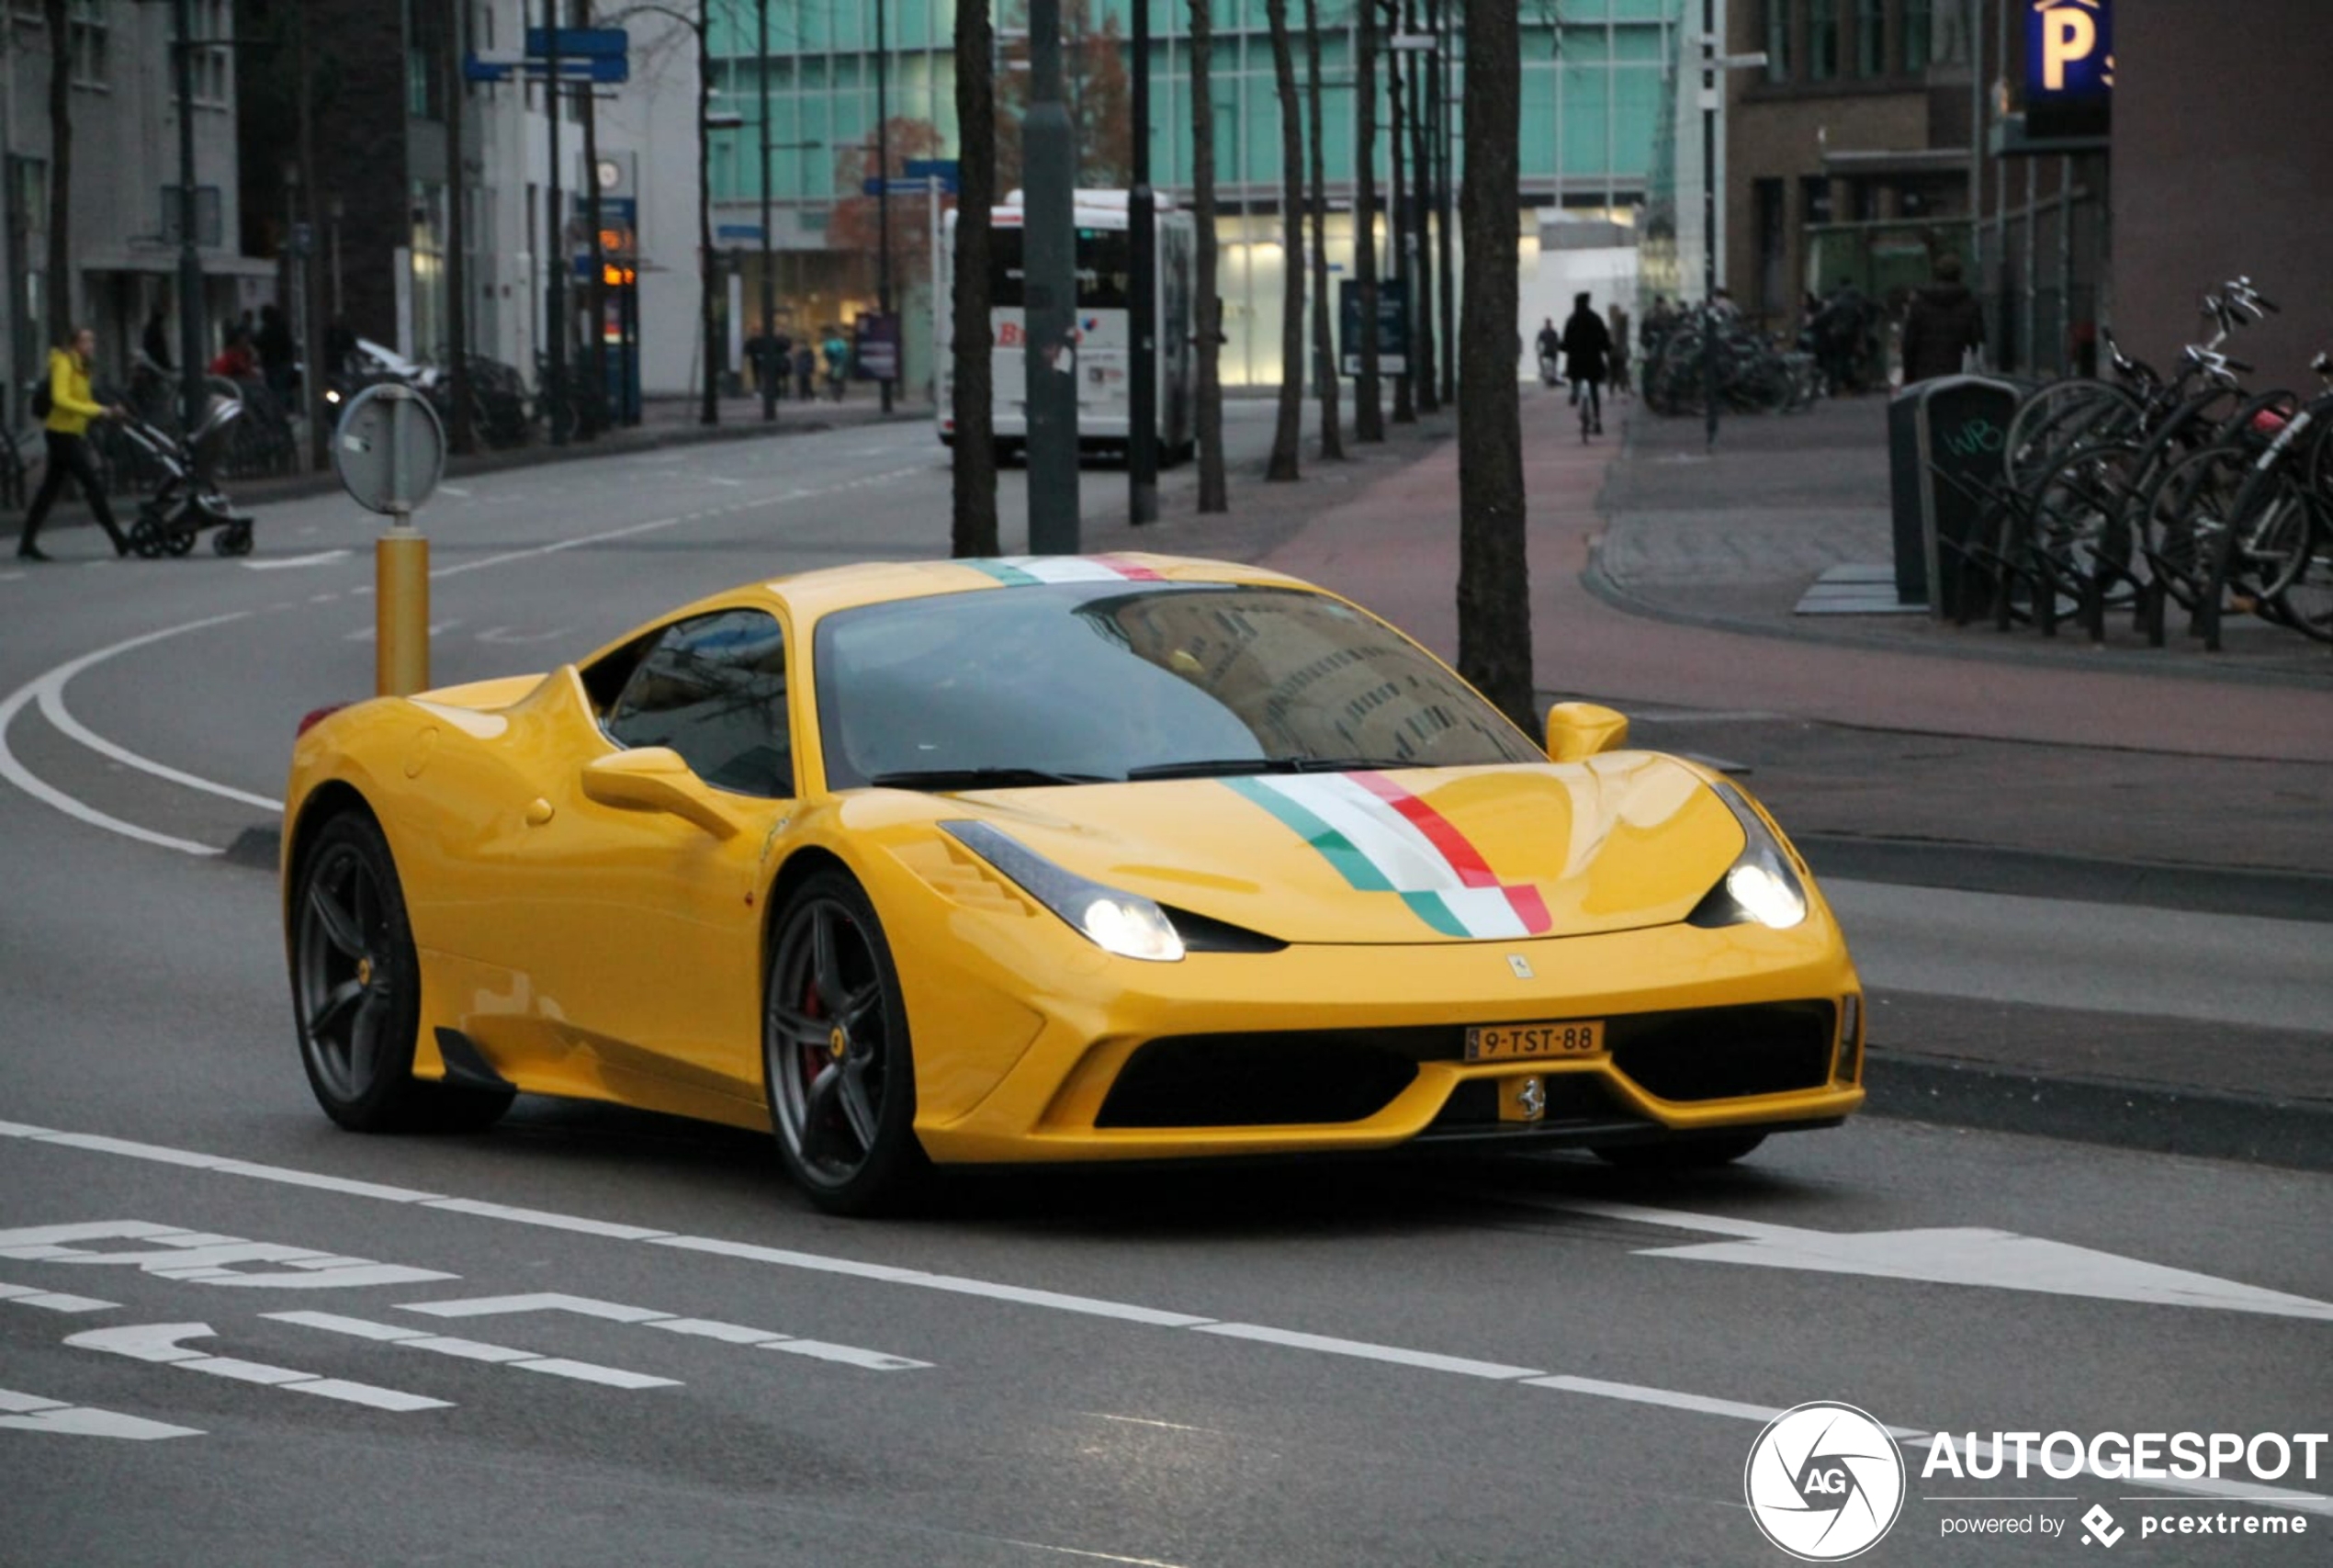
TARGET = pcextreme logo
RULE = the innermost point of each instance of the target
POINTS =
(1824, 1482)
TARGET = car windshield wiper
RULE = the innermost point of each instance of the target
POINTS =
(945, 779)
(1220, 767)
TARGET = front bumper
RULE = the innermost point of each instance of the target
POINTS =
(1068, 1094)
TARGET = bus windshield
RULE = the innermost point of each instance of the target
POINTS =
(1105, 268)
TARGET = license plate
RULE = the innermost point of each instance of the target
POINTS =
(1533, 1042)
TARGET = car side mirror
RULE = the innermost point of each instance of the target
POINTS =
(653, 778)
(1577, 731)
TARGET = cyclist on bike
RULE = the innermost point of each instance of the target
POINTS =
(1588, 348)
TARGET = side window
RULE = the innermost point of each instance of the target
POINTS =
(714, 690)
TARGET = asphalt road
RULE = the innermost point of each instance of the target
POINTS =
(602, 1337)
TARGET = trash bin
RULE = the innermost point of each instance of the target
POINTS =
(1947, 443)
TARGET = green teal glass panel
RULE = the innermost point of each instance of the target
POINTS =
(1585, 144)
(1644, 10)
(1637, 104)
(1644, 44)
(1583, 46)
(1539, 121)
(816, 25)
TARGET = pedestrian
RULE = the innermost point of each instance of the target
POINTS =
(1550, 349)
(278, 354)
(155, 343)
(805, 370)
(236, 362)
(1943, 326)
(1616, 320)
(1840, 328)
(1587, 348)
(780, 368)
(837, 349)
(72, 406)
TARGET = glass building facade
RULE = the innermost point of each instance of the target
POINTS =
(1595, 86)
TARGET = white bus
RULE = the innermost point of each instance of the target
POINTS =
(1104, 340)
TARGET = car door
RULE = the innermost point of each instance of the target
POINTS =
(668, 988)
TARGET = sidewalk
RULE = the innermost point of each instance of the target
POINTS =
(1906, 752)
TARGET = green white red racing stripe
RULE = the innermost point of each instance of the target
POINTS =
(1023, 571)
(1382, 838)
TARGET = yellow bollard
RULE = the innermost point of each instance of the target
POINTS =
(401, 603)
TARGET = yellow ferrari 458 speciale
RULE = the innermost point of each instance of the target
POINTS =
(1049, 859)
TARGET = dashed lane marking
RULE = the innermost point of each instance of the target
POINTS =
(701, 1327)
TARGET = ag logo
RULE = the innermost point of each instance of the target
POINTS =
(1824, 1481)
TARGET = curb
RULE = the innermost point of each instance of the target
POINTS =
(2039, 873)
(2296, 1134)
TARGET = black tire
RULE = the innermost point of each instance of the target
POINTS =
(837, 1064)
(357, 990)
(145, 537)
(1682, 1153)
(232, 540)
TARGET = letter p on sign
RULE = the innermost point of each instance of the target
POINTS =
(2069, 34)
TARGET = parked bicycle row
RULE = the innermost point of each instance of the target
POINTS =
(2142, 494)
(1706, 350)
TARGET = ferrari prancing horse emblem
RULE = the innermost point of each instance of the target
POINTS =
(1520, 965)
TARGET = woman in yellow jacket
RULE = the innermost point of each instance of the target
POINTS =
(71, 408)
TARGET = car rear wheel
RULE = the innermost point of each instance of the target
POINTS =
(835, 1057)
(1681, 1154)
(357, 990)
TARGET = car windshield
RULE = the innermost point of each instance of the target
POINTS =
(1085, 681)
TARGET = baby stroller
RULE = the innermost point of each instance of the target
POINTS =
(188, 500)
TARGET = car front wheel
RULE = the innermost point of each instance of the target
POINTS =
(836, 1058)
(357, 990)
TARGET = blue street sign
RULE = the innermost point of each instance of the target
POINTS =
(739, 231)
(872, 186)
(602, 42)
(945, 170)
(2069, 68)
(572, 68)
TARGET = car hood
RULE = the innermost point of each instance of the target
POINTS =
(1452, 854)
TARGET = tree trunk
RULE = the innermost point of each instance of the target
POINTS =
(1421, 269)
(1324, 339)
(973, 521)
(1494, 590)
(1398, 228)
(1214, 494)
(1368, 419)
(60, 287)
(1289, 433)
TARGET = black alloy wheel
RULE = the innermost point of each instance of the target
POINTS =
(357, 990)
(836, 1059)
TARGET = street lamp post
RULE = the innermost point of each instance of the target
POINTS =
(883, 195)
(1713, 66)
(554, 237)
(1142, 243)
(769, 288)
(192, 359)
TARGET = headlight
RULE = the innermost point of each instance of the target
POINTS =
(1762, 886)
(1124, 923)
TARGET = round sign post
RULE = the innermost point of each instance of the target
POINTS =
(390, 452)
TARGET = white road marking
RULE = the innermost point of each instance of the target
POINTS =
(164, 1342)
(540, 1217)
(706, 1328)
(16, 774)
(1151, 1316)
(282, 563)
(628, 531)
(472, 1350)
(52, 1301)
(52, 708)
(1960, 1254)
(203, 1259)
(30, 1413)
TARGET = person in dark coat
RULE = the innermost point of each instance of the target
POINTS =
(279, 352)
(1587, 348)
(156, 343)
(1945, 322)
